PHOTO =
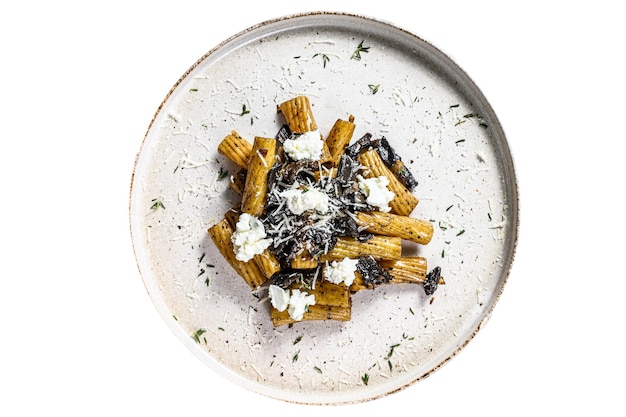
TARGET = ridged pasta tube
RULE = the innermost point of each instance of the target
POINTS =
(379, 247)
(389, 224)
(236, 148)
(332, 302)
(259, 164)
(339, 137)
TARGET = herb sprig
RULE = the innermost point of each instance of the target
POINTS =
(357, 52)
(325, 58)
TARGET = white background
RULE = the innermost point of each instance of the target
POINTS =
(80, 84)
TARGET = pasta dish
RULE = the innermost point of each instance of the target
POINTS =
(320, 218)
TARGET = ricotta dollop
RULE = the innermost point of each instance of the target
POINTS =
(376, 192)
(301, 200)
(249, 238)
(341, 271)
(294, 301)
(308, 145)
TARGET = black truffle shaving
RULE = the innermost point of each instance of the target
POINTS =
(285, 278)
(347, 226)
(391, 158)
(373, 274)
(347, 171)
(283, 134)
(432, 281)
(361, 145)
(319, 241)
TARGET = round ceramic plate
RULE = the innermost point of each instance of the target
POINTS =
(396, 85)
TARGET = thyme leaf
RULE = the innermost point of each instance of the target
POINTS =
(365, 378)
(325, 58)
(197, 334)
(222, 174)
(392, 349)
(357, 52)
(374, 88)
(156, 204)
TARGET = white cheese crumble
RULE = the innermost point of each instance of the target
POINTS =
(249, 237)
(376, 191)
(279, 297)
(296, 302)
(308, 145)
(301, 200)
(341, 271)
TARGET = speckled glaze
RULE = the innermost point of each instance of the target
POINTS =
(445, 131)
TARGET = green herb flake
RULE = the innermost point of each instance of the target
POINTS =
(193, 90)
(390, 365)
(318, 370)
(411, 311)
(469, 116)
(156, 204)
(295, 357)
(197, 334)
(365, 378)
(449, 207)
(460, 141)
(392, 348)
(357, 52)
(207, 281)
(298, 339)
(222, 174)
(220, 328)
(374, 88)
(325, 58)
(244, 110)
(202, 257)
(461, 232)
(454, 106)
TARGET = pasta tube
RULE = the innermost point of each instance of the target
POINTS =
(259, 165)
(236, 148)
(299, 117)
(379, 247)
(304, 261)
(298, 114)
(407, 270)
(221, 235)
(388, 224)
(339, 138)
(237, 181)
(332, 302)
(404, 201)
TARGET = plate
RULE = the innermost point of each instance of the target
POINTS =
(398, 86)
